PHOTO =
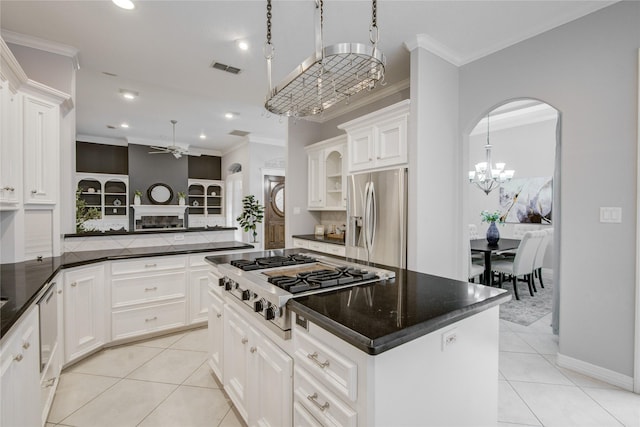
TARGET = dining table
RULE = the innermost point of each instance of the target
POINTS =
(482, 246)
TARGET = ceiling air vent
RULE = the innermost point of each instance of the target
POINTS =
(239, 133)
(225, 67)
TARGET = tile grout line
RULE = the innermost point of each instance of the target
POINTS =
(91, 400)
(603, 408)
(525, 403)
(160, 403)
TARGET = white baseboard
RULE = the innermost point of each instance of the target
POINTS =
(597, 372)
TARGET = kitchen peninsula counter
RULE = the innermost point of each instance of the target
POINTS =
(22, 282)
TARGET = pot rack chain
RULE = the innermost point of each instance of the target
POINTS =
(269, 49)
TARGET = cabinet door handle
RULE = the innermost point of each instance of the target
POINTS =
(244, 340)
(150, 265)
(19, 357)
(50, 382)
(253, 349)
(73, 284)
(314, 399)
(155, 288)
(151, 319)
(59, 291)
(218, 315)
(34, 191)
(26, 345)
(314, 357)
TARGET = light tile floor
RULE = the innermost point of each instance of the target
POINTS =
(158, 382)
(166, 382)
(534, 391)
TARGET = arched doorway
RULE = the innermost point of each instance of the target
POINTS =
(525, 135)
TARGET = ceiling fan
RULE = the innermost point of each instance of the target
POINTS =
(174, 149)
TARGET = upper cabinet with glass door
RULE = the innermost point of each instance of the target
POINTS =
(327, 174)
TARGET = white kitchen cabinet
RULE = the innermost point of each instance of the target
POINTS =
(198, 291)
(148, 295)
(50, 375)
(108, 193)
(41, 136)
(379, 139)
(20, 373)
(10, 147)
(216, 334)
(84, 311)
(328, 248)
(327, 174)
(257, 373)
(205, 203)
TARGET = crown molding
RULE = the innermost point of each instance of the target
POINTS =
(50, 94)
(44, 45)
(236, 147)
(430, 44)
(252, 139)
(101, 140)
(376, 95)
(11, 69)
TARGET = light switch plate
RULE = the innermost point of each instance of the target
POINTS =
(611, 215)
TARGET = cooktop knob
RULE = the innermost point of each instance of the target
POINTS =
(246, 294)
(228, 285)
(258, 306)
(222, 281)
(271, 312)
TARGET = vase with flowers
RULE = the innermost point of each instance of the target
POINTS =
(493, 235)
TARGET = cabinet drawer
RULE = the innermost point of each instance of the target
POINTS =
(141, 320)
(333, 369)
(299, 243)
(335, 249)
(317, 246)
(302, 417)
(320, 402)
(146, 265)
(154, 287)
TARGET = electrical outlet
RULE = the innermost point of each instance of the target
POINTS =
(449, 338)
(178, 237)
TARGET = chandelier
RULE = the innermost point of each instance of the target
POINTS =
(332, 74)
(487, 176)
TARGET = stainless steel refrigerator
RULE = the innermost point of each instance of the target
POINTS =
(377, 217)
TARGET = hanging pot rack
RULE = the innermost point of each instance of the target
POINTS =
(332, 74)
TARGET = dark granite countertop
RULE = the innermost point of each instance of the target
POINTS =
(313, 238)
(159, 231)
(22, 282)
(386, 314)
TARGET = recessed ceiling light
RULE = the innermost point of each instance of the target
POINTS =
(124, 4)
(203, 136)
(230, 115)
(129, 94)
(242, 45)
(124, 125)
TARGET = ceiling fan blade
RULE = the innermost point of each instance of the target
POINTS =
(159, 152)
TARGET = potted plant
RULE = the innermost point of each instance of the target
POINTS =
(181, 197)
(83, 213)
(136, 197)
(493, 235)
(252, 214)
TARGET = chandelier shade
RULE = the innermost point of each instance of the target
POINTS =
(486, 175)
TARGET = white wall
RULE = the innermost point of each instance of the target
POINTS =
(586, 69)
(529, 149)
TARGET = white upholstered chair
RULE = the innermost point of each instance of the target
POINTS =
(475, 269)
(539, 259)
(522, 263)
(473, 232)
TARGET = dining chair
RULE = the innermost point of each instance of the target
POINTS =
(475, 268)
(473, 232)
(518, 232)
(539, 259)
(522, 263)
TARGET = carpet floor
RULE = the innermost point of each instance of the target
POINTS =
(528, 309)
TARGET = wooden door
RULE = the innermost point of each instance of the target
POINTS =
(274, 212)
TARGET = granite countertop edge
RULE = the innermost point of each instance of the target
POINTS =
(7, 321)
(140, 232)
(380, 345)
(313, 238)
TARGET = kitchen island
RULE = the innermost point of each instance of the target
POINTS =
(404, 351)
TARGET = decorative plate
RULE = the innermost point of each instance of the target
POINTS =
(117, 202)
(195, 203)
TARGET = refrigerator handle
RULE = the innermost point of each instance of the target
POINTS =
(372, 218)
(366, 216)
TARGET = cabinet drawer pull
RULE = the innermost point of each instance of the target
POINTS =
(19, 357)
(244, 340)
(253, 349)
(50, 382)
(150, 265)
(73, 284)
(218, 315)
(34, 191)
(314, 357)
(151, 319)
(155, 288)
(26, 345)
(314, 399)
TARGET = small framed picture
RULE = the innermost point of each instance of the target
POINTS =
(319, 231)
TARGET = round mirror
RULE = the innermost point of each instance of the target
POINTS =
(160, 194)
(278, 200)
